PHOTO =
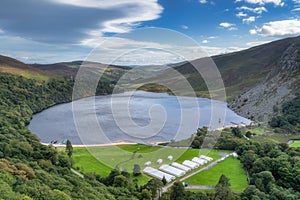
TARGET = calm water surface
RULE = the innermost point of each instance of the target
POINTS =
(139, 117)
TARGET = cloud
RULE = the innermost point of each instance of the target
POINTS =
(283, 28)
(296, 6)
(203, 1)
(256, 43)
(212, 37)
(228, 26)
(212, 51)
(249, 20)
(184, 27)
(258, 10)
(296, 9)
(205, 41)
(74, 21)
(241, 14)
(263, 2)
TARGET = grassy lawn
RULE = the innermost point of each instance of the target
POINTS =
(102, 159)
(295, 144)
(230, 167)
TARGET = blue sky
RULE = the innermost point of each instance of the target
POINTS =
(48, 31)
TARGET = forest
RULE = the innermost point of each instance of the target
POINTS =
(288, 117)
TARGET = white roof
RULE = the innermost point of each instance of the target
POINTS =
(190, 164)
(172, 170)
(170, 157)
(206, 158)
(200, 161)
(148, 163)
(180, 166)
(158, 174)
(159, 161)
(234, 154)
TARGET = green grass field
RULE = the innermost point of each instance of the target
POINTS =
(102, 159)
(296, 143)
(231, 167)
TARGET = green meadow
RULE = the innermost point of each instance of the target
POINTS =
(296, 143)
(102, 159)
(231, 167)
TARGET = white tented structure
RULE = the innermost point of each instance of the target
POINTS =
(170, 157)
(206, 158)
(180, 166)
(200, 161)
(158, 174)
(172, 170)
(234, 154)
(148, 163)
(190, 164)
(159, 161)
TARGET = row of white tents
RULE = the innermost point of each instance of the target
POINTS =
(170, 172)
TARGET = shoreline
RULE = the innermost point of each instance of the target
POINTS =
(90, 145)
(132, 143)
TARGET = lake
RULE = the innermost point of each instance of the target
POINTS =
(138, 117)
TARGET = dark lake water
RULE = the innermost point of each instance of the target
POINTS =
(139, 117)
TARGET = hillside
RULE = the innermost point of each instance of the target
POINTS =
(256, 79)
(13, 66)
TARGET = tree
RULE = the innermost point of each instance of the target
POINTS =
(69, 148)
(136, 170)
(264, 181)
(164, 180)
(145, 195)
(120, 181)
(237, 132)
(248, 134)
(177, 191)
(223, 192)
(154, 185)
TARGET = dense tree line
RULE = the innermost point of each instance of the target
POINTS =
(274, 170)
(228, 139)
(288, 117)
(29, 170)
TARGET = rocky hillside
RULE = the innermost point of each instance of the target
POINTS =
(280, 85)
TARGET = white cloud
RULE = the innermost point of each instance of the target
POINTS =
(296, 9)
(143, 10)
(212, 37)
(256, 43)
(228, 26)
(203, 1)
(253, 32)
(249, 20)
(258, 10)
(1, 31)
(241, 14)
(212, 51)
(281, 28)
(296, 6)
(263, 2)
(205, 41)
(184, 27)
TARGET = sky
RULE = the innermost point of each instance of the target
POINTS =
(130, 32)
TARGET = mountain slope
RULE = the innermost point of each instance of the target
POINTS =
(280, 85)
(13, 66)
(256, 79)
